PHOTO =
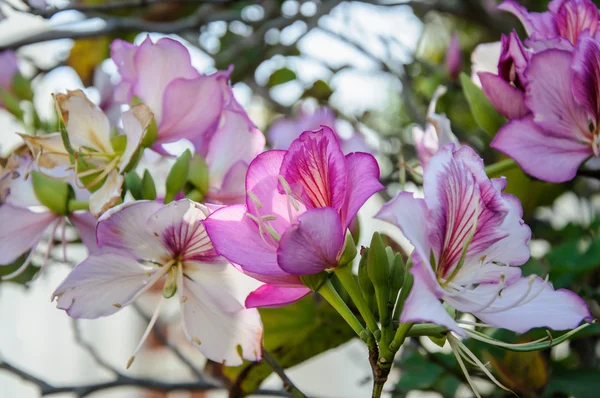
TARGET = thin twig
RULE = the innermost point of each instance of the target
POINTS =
(90, 349)
(288, 385)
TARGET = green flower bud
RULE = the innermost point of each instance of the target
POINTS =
(198, 174)
(151, 135)
(315, 281)
(406, 287)
(148, 189)
(118, 142)
(379, 273)
(133, 183)
(54, 194)
(177, 176)
(349, 251)
(396, 276)
(365, 282)
(21, 87)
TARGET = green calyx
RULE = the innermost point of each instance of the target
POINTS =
(54, 194)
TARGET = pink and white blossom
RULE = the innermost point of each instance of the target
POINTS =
(469, 240)
(299, 205)
(145, 243)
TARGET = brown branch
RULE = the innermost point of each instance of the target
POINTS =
(288, 385)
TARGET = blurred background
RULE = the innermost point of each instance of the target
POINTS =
(376, 64)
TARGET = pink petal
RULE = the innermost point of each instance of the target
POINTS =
(586, 75)
(507, 99)
(453, 61)
(218, 332)
(541, 155)
(513, 60)
(312, 244)
(275, 296)
(539, 23)
(423, 304)
(8, 68)
(550, 97)
(103, 283)
(574, 17)
(21, 230)
(232, 189)
(314, 166)
(284, 131)
(362, 183)
(190, 109)
(125, 227)
(85, 224)
(566, 309)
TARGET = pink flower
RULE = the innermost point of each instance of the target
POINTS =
(142, 243)
(284, 131)
(185, 103)
(453, 57)
(25, 219)
(8, 69)
(469, 240)
(299, 205)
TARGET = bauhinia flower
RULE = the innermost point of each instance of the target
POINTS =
(298, 207)
(284, 131)
(561, 129)
(100, 160)
(185, 103)
(437, 132)
(25, 220)
(145, 243)
(469, 240)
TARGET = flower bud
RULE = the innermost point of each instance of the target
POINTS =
(349, 251)
(151, 135)
(148, 189)
(133, 183)
(177, 176)
(396, 276)
(21, 87)
(198, 174)
(406, 287)
(54, 194)
(315, 281)
(453, 57)
(365, 282)
(379, 271)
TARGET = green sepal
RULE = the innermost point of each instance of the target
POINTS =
(198, 174)
(118, 142)
(349, 252)
(148, 188)
(315, 281)
(439, 341)
(11, 103)
(177, 176)
(54, 194)
(133, 183)
(151, 135)
(21, 87)
(366, 286)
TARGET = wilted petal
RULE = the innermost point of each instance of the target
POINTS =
(506, 98)
(48, 150)
(541, 155)
(85, 224)
(363, 182)
(103, 283)
(108, 195)
(21, 230)
(586, 76)
(275, 296)
(312, 244)
(212, 323)
(135, 122)
(125, 228)
(525, 305)
(315, 168)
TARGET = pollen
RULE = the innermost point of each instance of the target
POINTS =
(117, 305)
(196, 340)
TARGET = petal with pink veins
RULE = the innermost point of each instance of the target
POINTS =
(272, 296)
(507, 99)
(362, 183)
(586, 75)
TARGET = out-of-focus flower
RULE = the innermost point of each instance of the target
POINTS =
(299, 205)
(142, 243)
(8, 70)
(561, 131)
(437, 132)
(106, 89)
(25, 219)
(453, 59)
(469, 239)
(99, 159)
(185, 103)
(284, 131)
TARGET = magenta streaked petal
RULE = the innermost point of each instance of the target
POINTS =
(586, 76)
(85, 224)
(312, 244)
(237, 238)
(124, 227)
(423, 304)
(513, 60)
(507, 99)
(275, 296)
(550, 97)
(539, 153)
(21, 230)
(315, 168)
(574, 17)
(533, 22)
(191, 108)
(103, 283)
(510, 312)
(363, 182)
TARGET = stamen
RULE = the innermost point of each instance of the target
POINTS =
(288, 192)
(254, 199)
(524, 299)
(272, 232)
(258, 221)
(63, 239)
(146, 332)
(48, 251)
(494, 297)
(486, 339)
(452, 341)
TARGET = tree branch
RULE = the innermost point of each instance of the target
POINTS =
(288, 385)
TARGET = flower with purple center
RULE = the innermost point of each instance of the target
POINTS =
(142, 243)
(298, 207)
(469, 240)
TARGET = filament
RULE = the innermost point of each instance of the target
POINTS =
(146, 332)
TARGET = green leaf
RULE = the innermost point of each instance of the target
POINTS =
(486, 116)
(281, 76)
(11, 103)
(24, 277)
(21, 87)
(54, 194)
(417, 373)
(177, 176)
(320, 90)
(580, 383)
